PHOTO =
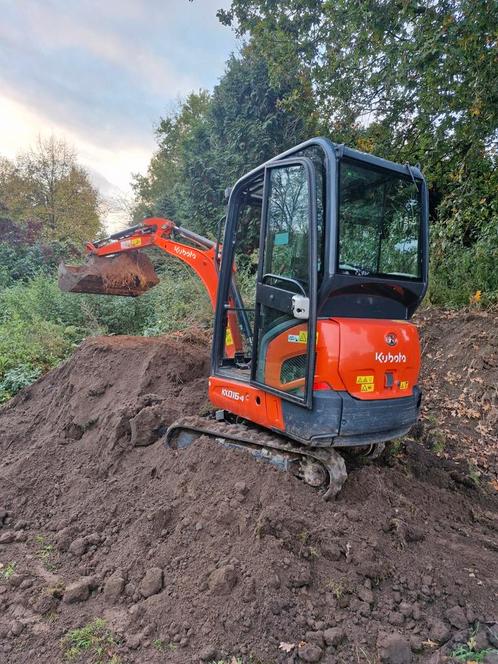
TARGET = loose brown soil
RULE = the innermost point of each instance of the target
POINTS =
(460, 383)
(204, 554)
(129, 275)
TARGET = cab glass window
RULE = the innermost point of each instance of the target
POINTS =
(287, 231)
(379, 223)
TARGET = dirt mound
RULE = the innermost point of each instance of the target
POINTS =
(155, 555)
(460, 384)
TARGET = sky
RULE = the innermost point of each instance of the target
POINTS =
(100, 73)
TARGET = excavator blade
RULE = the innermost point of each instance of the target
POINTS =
(129, 275)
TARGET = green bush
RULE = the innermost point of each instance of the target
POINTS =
(461, 275)
(179, 301)
(17, 378)
(40, 326)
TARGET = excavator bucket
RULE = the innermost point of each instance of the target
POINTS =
(130, 274)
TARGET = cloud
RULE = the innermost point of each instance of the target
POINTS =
(102, 73)
(107, 164)
(54, 30)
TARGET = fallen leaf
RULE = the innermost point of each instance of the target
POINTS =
(286, 647)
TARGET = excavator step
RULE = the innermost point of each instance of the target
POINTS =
(322, 468)
(129, 275)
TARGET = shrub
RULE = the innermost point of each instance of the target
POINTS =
(40, 325)
(458, 272)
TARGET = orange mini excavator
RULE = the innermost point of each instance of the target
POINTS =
(312, 353)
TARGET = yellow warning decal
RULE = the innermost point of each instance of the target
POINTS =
(228, 337)
(133, 242)
(367, 387)
(362, 380)
(301, 338)
(403, 385)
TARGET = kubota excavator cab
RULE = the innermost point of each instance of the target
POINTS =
(330, 249)
(323, 263)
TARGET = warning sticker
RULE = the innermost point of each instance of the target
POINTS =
(228, 337)
(301, 338)
(403, 385)
(134, 242)
(362, 380)
(367, 387)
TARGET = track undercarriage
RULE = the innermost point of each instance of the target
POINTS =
(322, 468)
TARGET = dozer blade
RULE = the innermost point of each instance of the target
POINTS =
(129, 275)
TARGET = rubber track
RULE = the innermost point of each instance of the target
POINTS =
(246, 436)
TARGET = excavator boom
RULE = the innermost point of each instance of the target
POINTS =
(116, 265)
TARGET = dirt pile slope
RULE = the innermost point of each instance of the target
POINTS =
(460, 383)
(203, 554)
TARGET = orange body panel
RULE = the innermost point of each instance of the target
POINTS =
(281, 349)
(247, 401)
(352, 355)
(368, 364)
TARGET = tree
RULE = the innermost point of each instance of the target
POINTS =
(410, 81)
(47, 183)
(24, 253)
(157, 191)
(211, 140)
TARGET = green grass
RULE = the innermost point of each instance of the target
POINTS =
(45, 552)
(474, 474)
(394, 448)
(94, 640)
(161, 645)
(465, 653)
(6, 571)
(336, 587)
(438, 441)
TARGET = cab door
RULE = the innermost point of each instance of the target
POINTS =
(285, 314)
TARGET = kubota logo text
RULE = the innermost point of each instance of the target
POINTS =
(188, 253)
(231, 394)
(385, 358)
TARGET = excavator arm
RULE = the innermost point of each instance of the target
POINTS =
(117, 266)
